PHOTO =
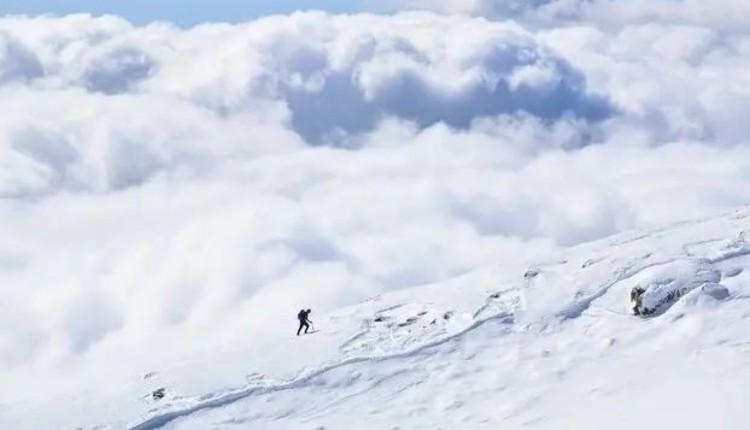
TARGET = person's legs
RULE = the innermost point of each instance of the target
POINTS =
(301, 324)
(307, 327)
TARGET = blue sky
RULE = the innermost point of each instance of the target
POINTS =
(183, 12)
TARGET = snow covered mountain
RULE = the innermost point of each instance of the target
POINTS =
(550, 344)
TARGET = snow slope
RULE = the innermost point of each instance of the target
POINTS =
(547, 345)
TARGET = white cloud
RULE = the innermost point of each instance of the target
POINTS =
(167, 187)
(731, 15)
(16, 62)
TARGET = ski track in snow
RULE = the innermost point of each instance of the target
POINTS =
(353, 339)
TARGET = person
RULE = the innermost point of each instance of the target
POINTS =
(304, 320)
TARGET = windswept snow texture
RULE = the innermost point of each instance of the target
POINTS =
(557, 348)
(494, 349)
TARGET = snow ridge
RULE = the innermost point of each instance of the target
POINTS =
(226, 398)
(690, 267)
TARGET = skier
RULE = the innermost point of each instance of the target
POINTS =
(304, 321)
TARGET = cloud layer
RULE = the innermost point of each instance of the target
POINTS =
(160, 184)
(730, 15)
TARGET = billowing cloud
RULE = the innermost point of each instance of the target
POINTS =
(730, 15)
(16, 62)
(165, 188)
(348, 84)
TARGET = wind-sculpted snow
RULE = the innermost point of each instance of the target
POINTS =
(225, 399)
(491, 346)
(664, 284)
(403, 347)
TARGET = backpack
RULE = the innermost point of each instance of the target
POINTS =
(302, 315)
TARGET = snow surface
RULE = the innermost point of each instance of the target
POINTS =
(551, 344)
